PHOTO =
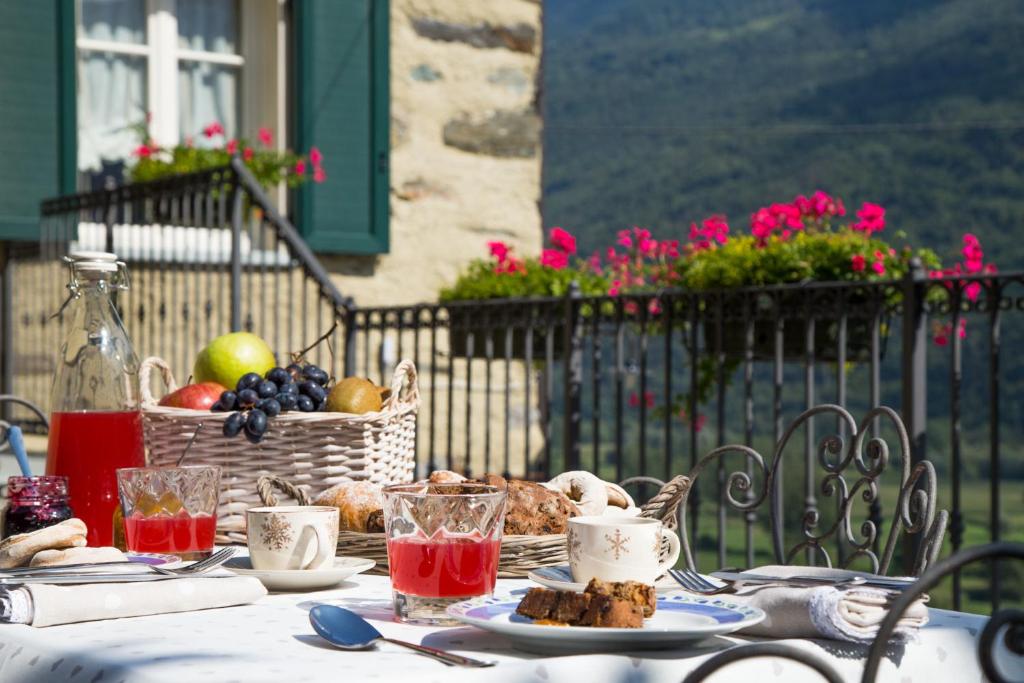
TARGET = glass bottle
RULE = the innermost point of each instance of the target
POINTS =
(34, 503)
(95, 423)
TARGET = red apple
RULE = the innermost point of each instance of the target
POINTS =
(194, 396)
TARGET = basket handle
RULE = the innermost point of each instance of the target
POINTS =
(665, 503)
(146, 368)
(267, 483)
(404, 388)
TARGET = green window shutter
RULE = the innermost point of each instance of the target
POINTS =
(37, 110)
(341, 106)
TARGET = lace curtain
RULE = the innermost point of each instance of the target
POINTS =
(112, 85)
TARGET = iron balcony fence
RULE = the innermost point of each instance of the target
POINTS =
(627, 387)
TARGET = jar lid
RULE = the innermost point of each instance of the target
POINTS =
(93, 261)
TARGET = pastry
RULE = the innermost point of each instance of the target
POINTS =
(631, 591)
(584, 489)
(356, 501)
(600, 605)
(17, 550)
(375, 522)
(56, 558)
(534, 510)
(608, 612)
(445, 477)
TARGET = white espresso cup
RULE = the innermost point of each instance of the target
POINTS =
(292, 536)
(619, 549)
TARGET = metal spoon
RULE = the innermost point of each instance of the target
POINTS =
(349, 631)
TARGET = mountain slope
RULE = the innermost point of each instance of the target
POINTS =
(663, 111)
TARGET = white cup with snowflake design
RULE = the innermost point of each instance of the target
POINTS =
(292, 537)
(620, 549)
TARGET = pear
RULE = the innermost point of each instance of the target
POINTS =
(230, 356)
(354, 395)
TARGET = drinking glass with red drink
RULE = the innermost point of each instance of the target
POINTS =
(170, 510)
(444, 542)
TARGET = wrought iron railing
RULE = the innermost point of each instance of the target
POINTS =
(622, 386)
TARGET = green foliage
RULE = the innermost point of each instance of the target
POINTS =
(805, 257)
(481, 281)
(269, 166)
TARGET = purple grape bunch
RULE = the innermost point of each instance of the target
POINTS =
(255, 399)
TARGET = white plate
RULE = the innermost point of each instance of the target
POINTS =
(301, 579)
(559, 578)
(679, 619)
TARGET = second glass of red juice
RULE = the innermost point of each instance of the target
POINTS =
(170, 510)
(444, 542)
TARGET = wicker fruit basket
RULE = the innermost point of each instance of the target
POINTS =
(519, 554)
(316, 450)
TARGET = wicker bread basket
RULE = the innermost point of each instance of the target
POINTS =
(316, 450)
(519, 554)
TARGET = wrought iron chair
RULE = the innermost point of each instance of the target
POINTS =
(11, 400)
(1006, 625)
(861, 462)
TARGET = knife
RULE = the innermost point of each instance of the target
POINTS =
(101, 567)
(886, 582)
(99, 578)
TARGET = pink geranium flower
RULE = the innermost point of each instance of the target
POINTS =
(266, 137)
(142, 151)
(563, 239)
(499, 250)
(300, 167)
(213, 129)
(315, 157)
(231, 147)
(247, 153)
(857, 262)
(556, 259)
(870, 218)
(318, 174)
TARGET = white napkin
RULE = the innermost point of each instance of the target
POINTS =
(41, 604)
(850, 614)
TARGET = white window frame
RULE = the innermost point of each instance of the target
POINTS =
(262, 86)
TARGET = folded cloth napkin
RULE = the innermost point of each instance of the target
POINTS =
(851, 614)
(41, 604)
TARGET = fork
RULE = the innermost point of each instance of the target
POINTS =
(196, 568)
(201, 567)
(695, 583)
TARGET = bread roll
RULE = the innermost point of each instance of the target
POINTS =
(445, 477)
(17, 550)
(355, 500)
(535, 510)
(56, 558)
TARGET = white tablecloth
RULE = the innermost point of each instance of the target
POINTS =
(273, 641)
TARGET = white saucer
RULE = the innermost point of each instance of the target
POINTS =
(301, 579)
(559, 578)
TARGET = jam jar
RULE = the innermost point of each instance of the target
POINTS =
(36, 502)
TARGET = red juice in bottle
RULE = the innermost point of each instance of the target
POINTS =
(95, 423)
(447, 567)
(87, 447)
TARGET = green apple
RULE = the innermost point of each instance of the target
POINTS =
(229, 356)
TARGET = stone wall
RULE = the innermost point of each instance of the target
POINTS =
(465, 145)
